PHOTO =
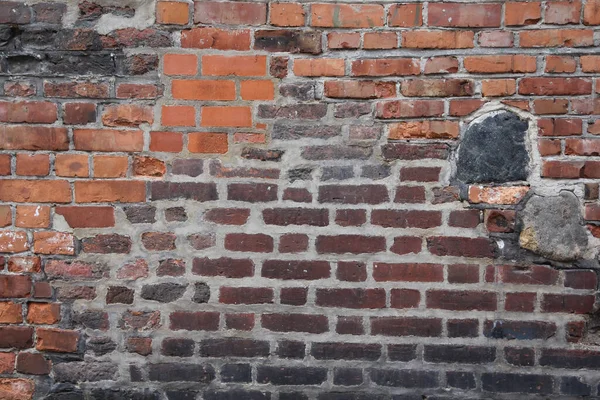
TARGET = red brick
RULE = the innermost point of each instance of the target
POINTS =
(520, 302)
(496, 39)
(359, 89)
(178, 116)
(546, 86)
(76, 90)
(461, 300)
(560, 64)
(218, 65)
(214, 38)
(5, 167)
(347, 15)
(19, 137)
(43, 313)
(127, 115)
(557, 38)
(71, 165)
(385, 67)
(115, 191)
(286, 14)
(230, 13)
(464, 15)
(257, 90)
(498, 87)
(567, 303)
(441, 65)
(405, 15)
(58, 340)
(423, 129)
(562, 12)
(28, 264)
(551, 106)
(180, 64)
(380, 40)
(32, 112)
(384, 272)
(33, 364)
(16, 389)
(50, 242)
(33, 216)
(31, 191)
(138, 91)
(7, 362)
(108, 140)
(522, 13)
(240, 116)
(13, 242)
(33, 164)
(87, 217)
(170, 142)
(319, 67)
(110, 166)
(581, 279)
(422, 39)
(171, 12)
(79, 113)
(591, 12)
(410, 109)
(343, 40)
(148, 166)
(10, 313)
(500, 64)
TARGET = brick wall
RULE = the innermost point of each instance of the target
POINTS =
(265, 200)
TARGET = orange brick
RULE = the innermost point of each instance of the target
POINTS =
(33, 164)
(204, 142)
(226, 116)
(178, 116)
(35, 191)
(437, 39)
(549, 147)
(287, 14)
(52, 242)
(500, 64)
(43, 313)
(405, 15)
(170, 142)
(498, 87)
(148, 166)
(380, 40)
(33, 112)
(522, 13)
(110, 191)
(257, 90)
(551, 106)
(21, 137)
(33, 216)
(171, 12)
(10, 313)
(110, 166)
(319, 67)
(108, 140)
(71, 165)
(87, 216)
(203, 89)
(234, 65)
(557, 38)
(180, 64)
(5, 216)
(560, 64)
(347, 15)
(441, 65)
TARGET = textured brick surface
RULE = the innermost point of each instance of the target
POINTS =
(298, 200)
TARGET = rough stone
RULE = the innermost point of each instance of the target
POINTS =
(553, 227)
(493, 150)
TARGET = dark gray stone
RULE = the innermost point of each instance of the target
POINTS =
(553, 227)
(300, 174)
(493, 149)
(299, 91)
(85, 371)
(163, 292)
(175, 214)
(101, 345)
(337, 173)
(202, 293)
(295, 132)
(119, 394)
(375, 172)
(141, 214)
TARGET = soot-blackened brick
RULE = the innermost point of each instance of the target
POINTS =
(236, 373)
